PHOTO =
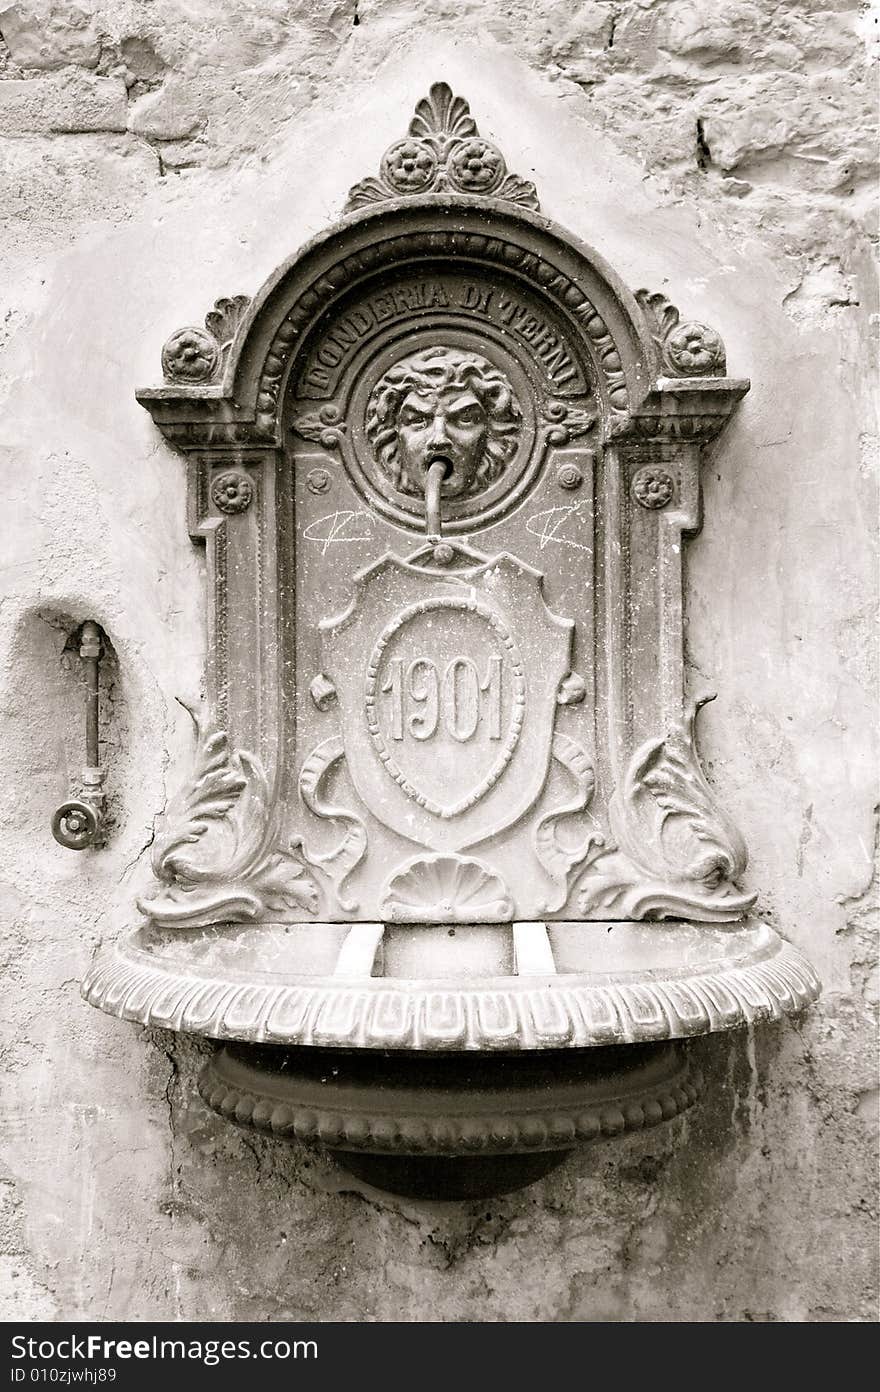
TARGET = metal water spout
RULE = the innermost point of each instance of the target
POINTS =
(438, 471)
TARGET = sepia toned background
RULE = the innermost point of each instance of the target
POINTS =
(156, 154)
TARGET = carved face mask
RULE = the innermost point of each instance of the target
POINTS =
(450, 424)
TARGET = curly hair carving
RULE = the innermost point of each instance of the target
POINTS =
(435, 370)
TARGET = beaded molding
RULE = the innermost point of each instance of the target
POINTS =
(384, 1132)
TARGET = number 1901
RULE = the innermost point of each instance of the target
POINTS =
(421, 698)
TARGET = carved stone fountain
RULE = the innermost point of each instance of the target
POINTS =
(447, 875)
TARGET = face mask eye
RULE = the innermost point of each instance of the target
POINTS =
(414, 420)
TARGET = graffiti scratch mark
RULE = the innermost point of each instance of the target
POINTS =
(547, 525)
(327, 531)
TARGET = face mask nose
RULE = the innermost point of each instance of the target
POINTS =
(438, 434)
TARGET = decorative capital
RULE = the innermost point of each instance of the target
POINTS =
(443, 152)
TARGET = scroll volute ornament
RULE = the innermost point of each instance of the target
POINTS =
(446, 795)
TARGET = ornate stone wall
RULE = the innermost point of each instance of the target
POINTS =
(153, 157)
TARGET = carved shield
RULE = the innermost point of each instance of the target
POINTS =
(447, 684)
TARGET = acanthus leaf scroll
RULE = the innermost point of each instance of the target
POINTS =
(216, 855)
(565, 420)
(324, 427)
(675, 853)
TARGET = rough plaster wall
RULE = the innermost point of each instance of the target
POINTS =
(163, 152)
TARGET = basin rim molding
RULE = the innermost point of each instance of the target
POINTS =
(763, 978)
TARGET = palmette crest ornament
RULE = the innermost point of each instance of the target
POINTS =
(447, 723)
(443, 152)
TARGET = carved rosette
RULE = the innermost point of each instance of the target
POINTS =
(443, 153)
(569, 477)
(685, 349)
(695, 350)
(318, 481)
(190, 355)
(653, 487)
(232, 491)
(194, 355)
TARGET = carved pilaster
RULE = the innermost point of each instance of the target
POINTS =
(231, 507)
(672, 851)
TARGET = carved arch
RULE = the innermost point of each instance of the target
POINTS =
(225, 383)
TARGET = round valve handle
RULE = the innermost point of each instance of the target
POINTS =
(75, 825)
